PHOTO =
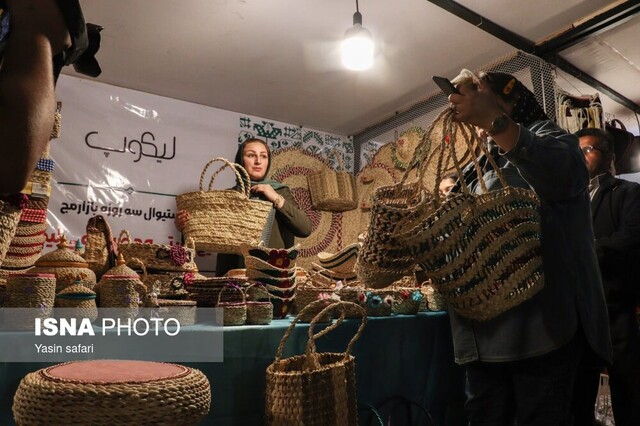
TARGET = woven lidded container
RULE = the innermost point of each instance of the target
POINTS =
(112, 392)
(314, 388)
(78, 301)
(121, 287)
(182, 310)
(30, 290)
(160, 257)
(67, 266)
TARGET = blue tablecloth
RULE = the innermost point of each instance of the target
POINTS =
(400, 356)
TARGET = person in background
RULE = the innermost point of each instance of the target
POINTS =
(521, 365)
(447, 183)
(615, 209)
(290, 221)
(27, 99)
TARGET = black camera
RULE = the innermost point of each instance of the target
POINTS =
(85, 39)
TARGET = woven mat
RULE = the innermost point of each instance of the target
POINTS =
(291, 167)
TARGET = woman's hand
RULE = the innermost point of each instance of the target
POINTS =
(181, 220)
(269, 193)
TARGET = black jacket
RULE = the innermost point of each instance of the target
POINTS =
(615, 210)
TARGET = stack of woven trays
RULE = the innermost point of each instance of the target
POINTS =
(164, 263)
(29, 236)
(67, 266)
(275, 269)
(340, 265)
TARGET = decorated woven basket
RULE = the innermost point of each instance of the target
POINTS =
(26, 246)
(221, 220)
(162, 257)
(78, 302)
(67, 266)
(333, 191)
(407, 300)
(482, 252)
(354, 293)
(308, 294)
(314, 388)
(235, 313)
(379, 302)
(112, 392)
(206, 291)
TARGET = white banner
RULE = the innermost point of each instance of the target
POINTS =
(125, 155)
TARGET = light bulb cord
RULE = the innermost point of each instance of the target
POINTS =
(357, 17)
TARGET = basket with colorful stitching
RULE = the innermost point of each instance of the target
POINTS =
(161, 257)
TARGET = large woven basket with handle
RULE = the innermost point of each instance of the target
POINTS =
(314, 388)
(221, 220)
(333, 190)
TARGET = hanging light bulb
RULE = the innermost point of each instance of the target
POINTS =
(357, 47)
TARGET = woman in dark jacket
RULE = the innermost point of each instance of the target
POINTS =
(290, 221)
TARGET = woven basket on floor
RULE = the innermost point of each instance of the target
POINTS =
(221, 220)
(235, 313)
(314, 388)
(162, 257)
(333, 191)
(112, 392)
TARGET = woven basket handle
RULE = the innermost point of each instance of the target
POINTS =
(311, 343)
(190, 243)
(260, 286)
(339, 156)
(234, 287)
(226, 164)
(125, 233)
(140, 285)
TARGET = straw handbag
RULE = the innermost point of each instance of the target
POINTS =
(234, 313)
(221, 220)
(333, 191)
(163, 257)
(100, 250)
(259, 310)
(314, 388)
(482, 252)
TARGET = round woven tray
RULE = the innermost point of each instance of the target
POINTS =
(112, 392)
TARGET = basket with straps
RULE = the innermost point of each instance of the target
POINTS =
(482, 252)
(314, 388)
(235, 313)
(221, 220)
(333, 190)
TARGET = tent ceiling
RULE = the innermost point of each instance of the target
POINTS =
(279, 59)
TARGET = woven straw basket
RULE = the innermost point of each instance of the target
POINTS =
(235, 313)
(29, 291)
(100, 251)
(221, 220)
(314, 388)
(67, 266)
(26, 246)
(308, 294)
(163, 257)
(78, 301)
(9, 218)
(482, 252)
(182, 310)
(259, 310)
(112, 392)
(333, 191)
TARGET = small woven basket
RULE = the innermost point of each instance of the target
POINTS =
(333, 191)
(100, 248)
(182, 310)
(221, 220)
(314, 388)
(354, 293)
(112, 392)
(235, 313)
(306, 294)
(379, 302)
(259, 310)
(162, 257)
(36, 291)
(407, 300)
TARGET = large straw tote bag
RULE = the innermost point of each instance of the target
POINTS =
(482, 252)
(333, 191)
(162, 257)
(314, 388)
(221, 220)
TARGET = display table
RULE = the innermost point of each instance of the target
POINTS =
(406, 356)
